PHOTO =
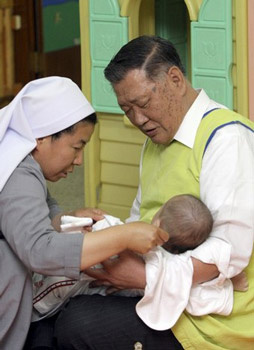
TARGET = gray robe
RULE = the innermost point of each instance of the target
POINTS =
(29, 243)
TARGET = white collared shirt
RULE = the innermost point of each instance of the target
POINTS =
(226, 185)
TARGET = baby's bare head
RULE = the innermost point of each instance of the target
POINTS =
(187, 220)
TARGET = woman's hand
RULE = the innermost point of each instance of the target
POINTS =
(125, 272)
(142, 237)
(95, 214)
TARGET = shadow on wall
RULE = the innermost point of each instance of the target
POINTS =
(69, 192)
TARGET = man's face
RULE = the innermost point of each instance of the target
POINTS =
(154, 106)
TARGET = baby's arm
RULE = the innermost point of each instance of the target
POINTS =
(240, 282)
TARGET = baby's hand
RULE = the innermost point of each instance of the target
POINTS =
(240, 282)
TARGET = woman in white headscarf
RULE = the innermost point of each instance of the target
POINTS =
(42, 135)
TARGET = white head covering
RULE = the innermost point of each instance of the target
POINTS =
(43, 107)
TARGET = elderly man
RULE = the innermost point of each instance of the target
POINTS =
(194, 145)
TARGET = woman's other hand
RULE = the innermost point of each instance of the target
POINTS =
(94, 213)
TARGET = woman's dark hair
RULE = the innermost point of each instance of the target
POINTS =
(150, 53)
(92, 119)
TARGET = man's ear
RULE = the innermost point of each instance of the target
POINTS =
(177, 79)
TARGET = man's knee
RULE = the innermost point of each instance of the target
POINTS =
(77, 323)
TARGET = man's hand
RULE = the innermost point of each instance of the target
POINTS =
(240, 282)
(203, 272)
(125, 272)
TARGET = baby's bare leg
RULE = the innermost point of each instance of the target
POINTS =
(240, 282)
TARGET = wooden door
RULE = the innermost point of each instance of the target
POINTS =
(36, 47)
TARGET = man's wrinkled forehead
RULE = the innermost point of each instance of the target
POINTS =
(134, 87)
